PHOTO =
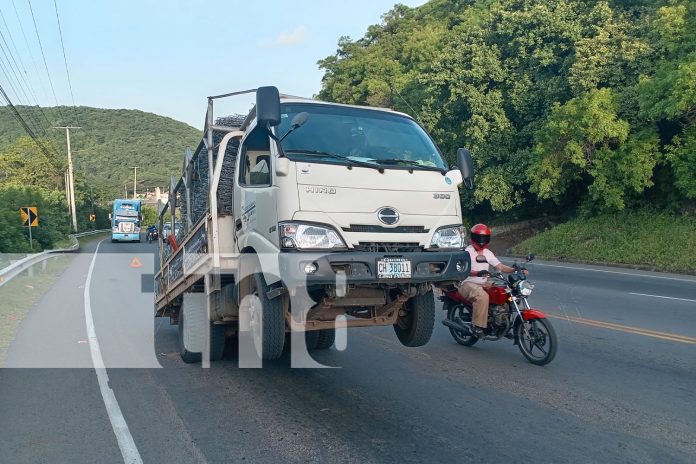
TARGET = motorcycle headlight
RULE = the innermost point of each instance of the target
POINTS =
(449, 237)
(525, 288)
(296, 235)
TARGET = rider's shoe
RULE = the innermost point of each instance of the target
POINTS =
(477, 332)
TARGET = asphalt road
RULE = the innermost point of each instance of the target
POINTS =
(621, 389)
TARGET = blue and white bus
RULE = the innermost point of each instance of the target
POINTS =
(125, 220)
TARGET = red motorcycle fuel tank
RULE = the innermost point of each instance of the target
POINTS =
(496, 295)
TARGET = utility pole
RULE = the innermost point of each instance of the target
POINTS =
(68, 197)
(71, 179)
(135, 179)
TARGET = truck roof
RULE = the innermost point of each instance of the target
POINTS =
(293, 99)
(284, 98)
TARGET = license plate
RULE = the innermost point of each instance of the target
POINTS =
(393, 268)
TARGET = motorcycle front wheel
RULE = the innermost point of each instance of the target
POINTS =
(461, 314)
(537, 341)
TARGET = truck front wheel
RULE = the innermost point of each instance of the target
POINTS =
(416, 326)
(267, 318)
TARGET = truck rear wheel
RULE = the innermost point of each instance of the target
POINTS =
(416, 327)
(192, 323)
(311, 340)
(320, 339)
(266, 318)
(326, 339)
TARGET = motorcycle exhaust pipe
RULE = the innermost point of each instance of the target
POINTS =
(455, 325)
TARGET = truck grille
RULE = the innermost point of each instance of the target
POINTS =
(126, 227)
(385, 230)
(389, 247)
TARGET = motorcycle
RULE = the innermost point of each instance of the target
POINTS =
(509, 316)
(152, 235)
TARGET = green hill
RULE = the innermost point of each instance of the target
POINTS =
(109, 143)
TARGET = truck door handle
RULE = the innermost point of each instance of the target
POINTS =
(238, 224)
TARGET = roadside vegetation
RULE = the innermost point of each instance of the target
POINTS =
(33, 174)
(569, 108)
(664, 242)
(108, 143)
(564, 105)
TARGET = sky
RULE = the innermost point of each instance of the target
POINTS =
(166, 57)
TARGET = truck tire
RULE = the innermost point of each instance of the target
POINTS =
(416, 327)
(325, 339)
(192, 323)
(271, 318)
(311, 340)
(190, 336)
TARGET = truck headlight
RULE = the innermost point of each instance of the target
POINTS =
(296, 235)
(449, 237)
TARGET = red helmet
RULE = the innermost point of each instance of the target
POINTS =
(480, 236)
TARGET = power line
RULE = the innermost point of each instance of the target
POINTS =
(24, 124)
(33, 63)
(31, 55)
(50, 81)
(9, 60)
(23, 68)
(60, 31)
(12, 64)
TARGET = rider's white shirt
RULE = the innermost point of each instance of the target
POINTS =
(475, 267)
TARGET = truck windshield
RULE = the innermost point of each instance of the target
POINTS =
(388, 140)
(126, 216)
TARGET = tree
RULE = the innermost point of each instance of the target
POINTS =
(585, 141)
(24, 164)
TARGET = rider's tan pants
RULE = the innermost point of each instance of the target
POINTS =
(479, 299)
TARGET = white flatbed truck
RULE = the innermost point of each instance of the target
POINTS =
(305, 216)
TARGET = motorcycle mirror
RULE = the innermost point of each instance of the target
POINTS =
(481, 259)
(530, 256)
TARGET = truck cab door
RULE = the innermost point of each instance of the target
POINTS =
(255, 196)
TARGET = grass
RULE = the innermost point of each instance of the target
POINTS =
(655, 240)
(21, 293)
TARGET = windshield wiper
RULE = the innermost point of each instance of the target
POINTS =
(337, 156)
(411, 163)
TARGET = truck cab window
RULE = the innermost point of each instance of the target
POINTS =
(255, 164)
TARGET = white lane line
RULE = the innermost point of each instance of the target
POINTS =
(660, 296)
(693, 281)
(125, 440)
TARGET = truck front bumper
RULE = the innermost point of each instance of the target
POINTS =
(362, 267)
(119, 237)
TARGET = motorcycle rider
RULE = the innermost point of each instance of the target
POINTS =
(472, 288)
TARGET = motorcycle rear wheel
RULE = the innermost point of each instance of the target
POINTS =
(540, 346)
(460, 313)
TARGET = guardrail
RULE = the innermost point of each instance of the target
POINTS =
(16, 268)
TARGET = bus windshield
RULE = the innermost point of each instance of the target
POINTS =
(387, 140)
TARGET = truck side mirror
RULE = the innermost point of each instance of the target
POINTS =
(466, 167)
(110, 216)
(267, 106)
